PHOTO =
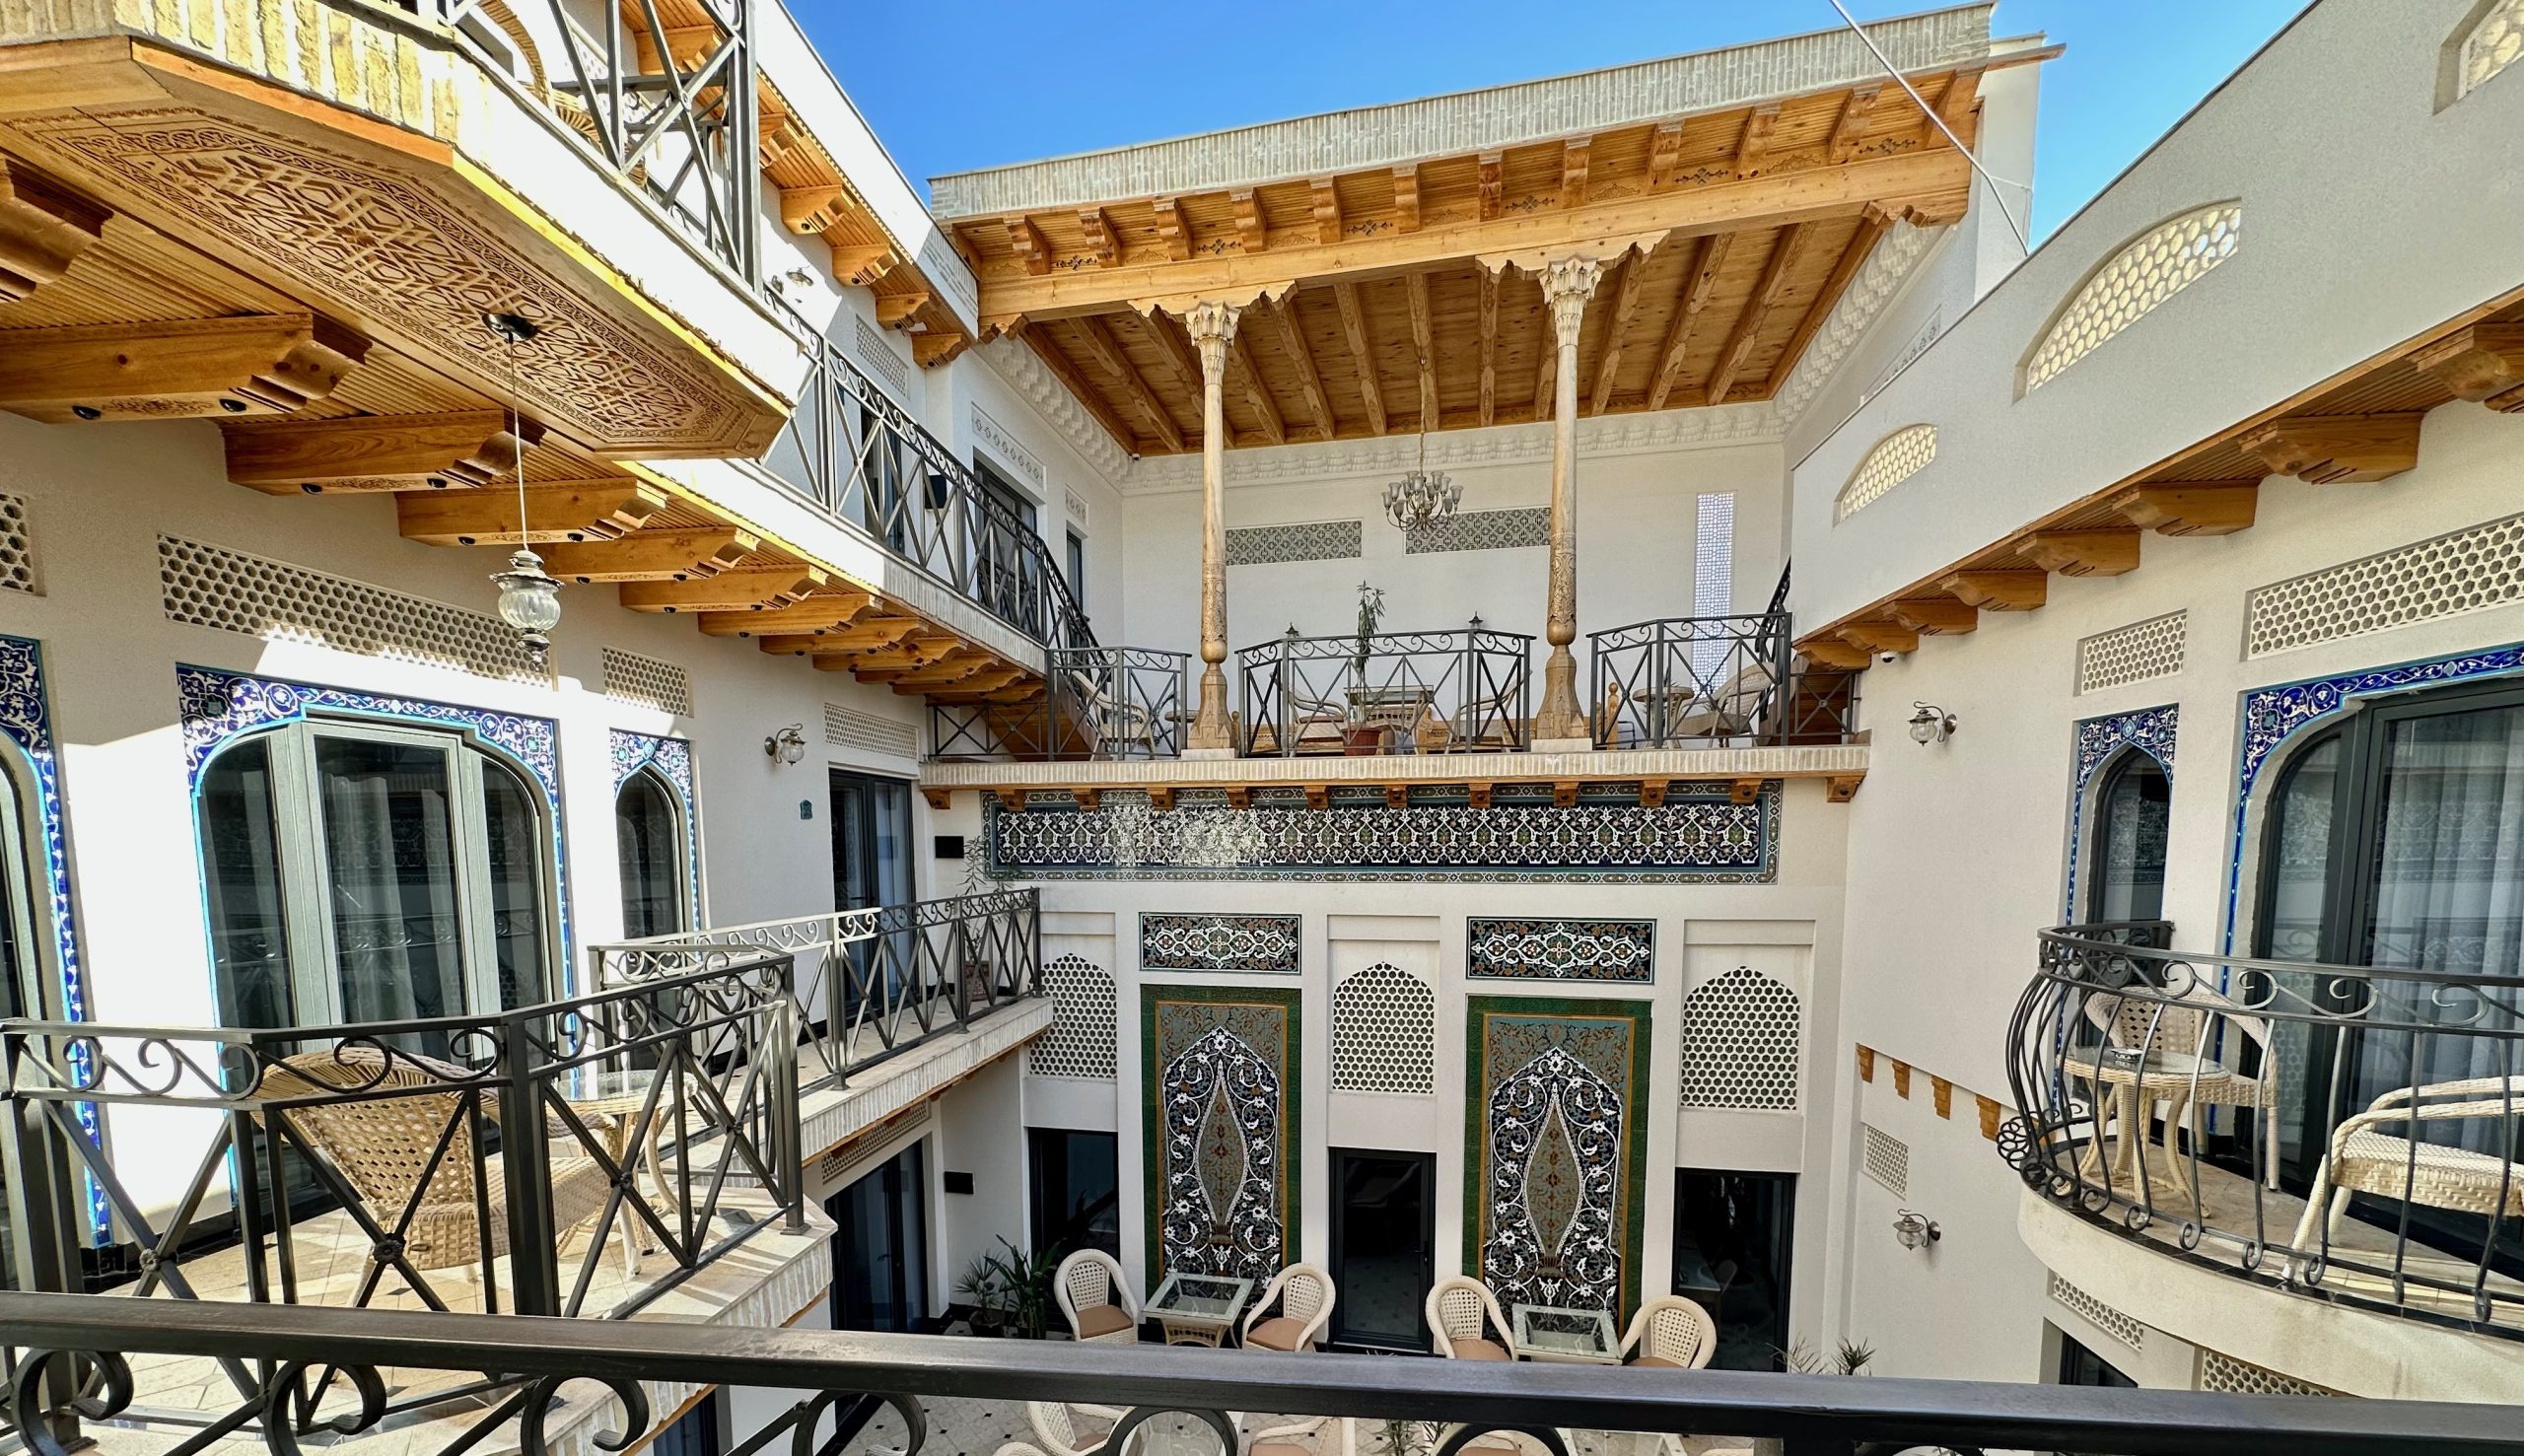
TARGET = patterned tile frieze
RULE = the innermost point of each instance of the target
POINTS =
(1560, 951)
(1481, 530)
(2148, 730)
(1263, 944)
(1554, 1196)
(1222, 1115)
(1318, 540)
(1707, 840)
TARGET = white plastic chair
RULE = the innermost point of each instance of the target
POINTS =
(1096, 1299)
(1305, 1295)
(1672, 1331)
(1456, 1310)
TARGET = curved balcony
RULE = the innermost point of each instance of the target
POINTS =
(2346, 1134)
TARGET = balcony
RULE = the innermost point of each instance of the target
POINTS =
(2345, 1137)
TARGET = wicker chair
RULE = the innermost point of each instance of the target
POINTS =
(1307, 1437)
(1096, 1299)
(2363, 1159)
(381, 1144)
(2188, 1031)
(1055, 1426)
(1504, 1442)
(1671, 1331)
(1459, 1310)
(1305, 1296)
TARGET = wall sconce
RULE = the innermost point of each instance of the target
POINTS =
(1931, 724)
(1916, 1230)
(788, 745)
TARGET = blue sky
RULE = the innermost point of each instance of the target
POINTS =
(950, 84)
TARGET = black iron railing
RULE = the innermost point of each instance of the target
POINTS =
(325, 1373)
(1101, 703)
(2348, 1132)
(867, 984)
(1465, 691)
(496, 1162)
(1697, 682)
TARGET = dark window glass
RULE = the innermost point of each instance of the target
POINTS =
(880, 1254)
(696, 1433)
(514, 831)
(2128, 859)
(1075, 1193)
(648, 835)
(1733, 1235)
(1383, 1248)
(240, 863)
(2080, 1366)
(389, 861)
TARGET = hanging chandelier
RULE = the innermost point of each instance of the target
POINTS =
(1420, 498)
(529, 596)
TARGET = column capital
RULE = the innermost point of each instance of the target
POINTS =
(1212, 326)
(1567, 285)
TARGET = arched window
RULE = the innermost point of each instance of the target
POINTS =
(649, 834)
(360, 871)
(1895, 458)
(2127, 856)
(2161, 263)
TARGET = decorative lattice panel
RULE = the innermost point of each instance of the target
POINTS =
(848, 728)
(2102, 1316)
(17, 549)
(2464, 571)
(2133, 653)
(1896, 457)
(1481, 530)
(2494, 44)
(1314, 540)
(1886, 1157)
(2243, 1377)
(1740, 1035)
(2170, 258)
(1079, 1040)
(214, 586)
(880, 358)
(632, 678)
(1385, 1029)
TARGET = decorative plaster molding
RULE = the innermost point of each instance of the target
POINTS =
(1036, 386)
(1016, 456)
(1887, 269)
(1753, 423)
(1816, 760)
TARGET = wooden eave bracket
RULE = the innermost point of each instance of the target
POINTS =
(465, 449)
(563, 510)
(2483, 363)
(1936, 615)
(2323, 449)
(1998, 591)
(2203, 508)
(652, 556)
(43, 229)
(270, 364)
(2083, 553)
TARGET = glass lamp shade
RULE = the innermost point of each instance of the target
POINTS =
(530, 601)
(1420, 498)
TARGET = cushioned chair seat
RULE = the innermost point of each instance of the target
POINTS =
(1277, 1448)
(1276, 1332)
(1102, 1319)
(1480, 1349)
(1662, 1364)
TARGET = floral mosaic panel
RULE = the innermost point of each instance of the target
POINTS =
(1267, 944)
(2150, 731)
(1221, 1130)
(672, 759)
(1560, 951)
(1615, 840)
(1555, 1143)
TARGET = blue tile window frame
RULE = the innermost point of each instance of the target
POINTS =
(2100, 740)
(672, 758)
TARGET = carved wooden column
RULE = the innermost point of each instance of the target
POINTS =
(1213, 329)
(1560, 726)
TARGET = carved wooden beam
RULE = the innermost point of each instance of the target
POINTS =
(1026, 241)
(984, 676)
(43, 229)
(817, 614)
(373, 453)
(1253, 227)
(956, 666)
(257, 364)
(2187, 509)
(1257, 391)
(732, 590)
(898, 307)
(2327, 448)
(1574, 161)
(1423, 346)
(2483, 362)
(1492, 178)
(1697, 285)
(1323, 199)
(1766, 294)
(572, 511)
(652, 556)
(806, 210)
(1354, 328)
(1829, 653)
(1098, 338)
(1406, 197)
(1935, 616)
(1171, 229)
(1753, 148)
(1853, 121)
(1102, 239)
(1998, 591)
(1872, 228)
(1173, 345)
(863, 265)
(1488, 345)
(1664, 155)
(2082, 553)
(1880, 637)
(1056, 359)
(1744, 790)
(930, 350)
(1634, 271)
(1309, 380)
(1841, 787)
(1652, 792)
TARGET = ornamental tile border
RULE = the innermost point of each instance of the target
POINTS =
(26, 717)
(2150, 731)
(1257, 944)
(1481, 530)
(216, 706)
(1814, 760)
(2274, 715)
(1219, 1071)
(1617, 950)
(672, 760)
(1306, 540)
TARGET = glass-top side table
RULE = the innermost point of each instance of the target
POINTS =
(1199, 1308)
(1565, 1337)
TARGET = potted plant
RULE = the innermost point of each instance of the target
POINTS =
(1011, 1292)
(1359, 736)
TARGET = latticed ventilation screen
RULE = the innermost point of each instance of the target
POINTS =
(2102, 1316)
(1385, 1029)
(1739, 1043)
(1079, 1040)
(2131, 654)
(2465, 571)
(848, 728)
(1886, 1158)
(881, 359)
(632, 678)
(2141, 276)
(1481, 530)
(17, 548)
(2242, 1377)
(1896, 457)
(1315, 540)
(2494, 44)
(214, 586)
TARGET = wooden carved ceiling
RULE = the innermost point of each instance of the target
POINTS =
(1404, 299)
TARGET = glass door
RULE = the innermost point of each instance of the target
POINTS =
(1384, 1247)
(872, 868)
(1076, 1191)
(1733, 1233)
(880, 1254)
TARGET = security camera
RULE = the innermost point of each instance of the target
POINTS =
(1887, 659)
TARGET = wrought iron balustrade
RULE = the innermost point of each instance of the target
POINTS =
(1464, 691)
(861, 458)
(325, 1373)
(1712, 682)
(496, 1162)
(2350, 1132)
(867, 984)
(1100, 703)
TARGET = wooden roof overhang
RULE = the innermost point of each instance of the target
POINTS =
(1404, 297)
(2358, 425)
